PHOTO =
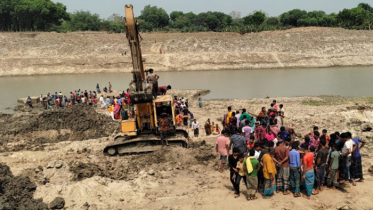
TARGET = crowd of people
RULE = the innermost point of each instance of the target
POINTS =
(269, 158)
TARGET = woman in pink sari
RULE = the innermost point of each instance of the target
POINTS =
(117, 111)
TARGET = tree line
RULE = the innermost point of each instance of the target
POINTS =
(45, 15)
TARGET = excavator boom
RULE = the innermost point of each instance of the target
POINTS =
(140, 91)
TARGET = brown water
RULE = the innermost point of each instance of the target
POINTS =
(227, 84)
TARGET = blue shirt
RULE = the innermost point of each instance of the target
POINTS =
(283, 135)
(120, 102)
(294, 157)
(357, 152)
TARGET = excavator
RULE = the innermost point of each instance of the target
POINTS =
(140, 133)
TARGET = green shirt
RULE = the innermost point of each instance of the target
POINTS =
(255, 164)
(247, 117)
(335, 164)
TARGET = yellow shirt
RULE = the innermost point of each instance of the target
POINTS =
(239, 166)
(229, 117)
(212, 128)
(268, 166)
(110, 109)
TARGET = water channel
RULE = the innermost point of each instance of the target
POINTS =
(224, 84)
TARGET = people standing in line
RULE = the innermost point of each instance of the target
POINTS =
(269, 173)
(251, 166)
(295, 169)
(308, 171)
(281, 158)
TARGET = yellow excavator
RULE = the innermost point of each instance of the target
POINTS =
(140, 134)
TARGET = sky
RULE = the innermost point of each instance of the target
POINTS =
(106, 8)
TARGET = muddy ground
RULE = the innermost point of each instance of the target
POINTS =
(76, 169)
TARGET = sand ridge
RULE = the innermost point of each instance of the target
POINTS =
(90, 52)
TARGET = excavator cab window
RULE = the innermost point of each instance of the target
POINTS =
(164, 107)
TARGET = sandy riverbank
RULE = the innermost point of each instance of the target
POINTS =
(91, 52)
(61, 152)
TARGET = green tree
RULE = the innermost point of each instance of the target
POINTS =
(366, 7)
(175, 15)
(272, 21)
(181, 22)
(158, 17)
(85, 21)
(291, 18)
(212, 22)
(255, 19)
(23, 15)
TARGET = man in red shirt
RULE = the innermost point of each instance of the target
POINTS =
(127, 96)
(163, 89)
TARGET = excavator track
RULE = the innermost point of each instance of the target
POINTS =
(144, 143)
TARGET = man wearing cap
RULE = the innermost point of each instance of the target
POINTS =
(153, 78)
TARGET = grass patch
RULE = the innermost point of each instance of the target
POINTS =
(324, 102)
(368, 100)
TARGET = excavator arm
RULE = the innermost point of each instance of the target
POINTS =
(140, 91)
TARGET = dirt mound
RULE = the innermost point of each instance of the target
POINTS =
(39, 127)
(128, 167)
(17, 192)
(85, 170)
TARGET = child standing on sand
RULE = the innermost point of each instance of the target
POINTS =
(217, 129)
(212, 127)
(240, 174)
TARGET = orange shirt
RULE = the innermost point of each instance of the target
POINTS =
(308, 160)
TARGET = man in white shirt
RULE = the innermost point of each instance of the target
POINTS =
(238, 115)
(347, 149)
(195, 127)
(258, 150)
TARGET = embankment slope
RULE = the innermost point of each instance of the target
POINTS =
(90, 52)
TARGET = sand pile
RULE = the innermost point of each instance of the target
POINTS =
(35, 128)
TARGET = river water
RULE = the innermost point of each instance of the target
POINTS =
(225, 84)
